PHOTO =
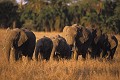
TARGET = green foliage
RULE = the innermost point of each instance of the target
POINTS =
(53, 15)
(8, 13)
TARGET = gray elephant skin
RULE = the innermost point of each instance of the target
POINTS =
(61, 50)
(43, 48)
(103, 43)
(111, 47)
(98, 42)
(20, 42)
(79, 38)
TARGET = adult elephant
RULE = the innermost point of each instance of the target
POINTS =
(20, 42)
(79, 38)
(98, 42)
(102, 44)
(60, 48)
(43, 48)
(110, 47)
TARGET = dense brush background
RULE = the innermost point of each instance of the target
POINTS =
(62, 70)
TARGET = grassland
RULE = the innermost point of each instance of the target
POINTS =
(62, 70)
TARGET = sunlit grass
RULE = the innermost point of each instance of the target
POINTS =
(59, 70)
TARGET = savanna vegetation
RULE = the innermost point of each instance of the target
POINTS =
(59, 70)
(53, 15)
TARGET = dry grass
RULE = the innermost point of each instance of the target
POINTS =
(62, 70)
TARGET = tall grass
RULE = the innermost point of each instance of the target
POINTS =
(59, 70)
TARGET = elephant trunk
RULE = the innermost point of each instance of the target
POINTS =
(7, 50)
(52, 53)
(74, 51)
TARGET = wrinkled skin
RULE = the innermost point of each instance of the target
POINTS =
(43, 47)
(60, 48)
(110, 47)
(79, 38)
(20, 42)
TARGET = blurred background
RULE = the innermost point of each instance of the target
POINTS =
(53, 15)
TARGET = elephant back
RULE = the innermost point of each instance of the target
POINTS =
(45, 43)
(112, 41)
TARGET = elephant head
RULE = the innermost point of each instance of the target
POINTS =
(70, 33)
(14, 39)
(97, 35)
(60, 48)
(83, 35)
(79, 38)
(55, 41)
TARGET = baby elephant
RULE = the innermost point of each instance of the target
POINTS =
(60, 48)
(43, 48)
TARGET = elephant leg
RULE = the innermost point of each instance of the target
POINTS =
(20, 57)
(36, 54)
(84, 52)
(52, 53)
(29, 57)
(92, 55)
(68, 56)
(112, 52)
(19, 53)
(104, 53)
(46, 56)
(84, 55)
(15, 54)
(75, 55)
(40, 56)
(16, 57)
(98, 53)
(7, 53)
(93, 52)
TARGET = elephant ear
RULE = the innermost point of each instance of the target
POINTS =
(22, 38)
(74, 25)
(85, 35)
(65, 28)
(82, 40)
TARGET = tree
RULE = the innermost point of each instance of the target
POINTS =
(8, 13)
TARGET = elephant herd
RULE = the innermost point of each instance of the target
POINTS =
(76, 40)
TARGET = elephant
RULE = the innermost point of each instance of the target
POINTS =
(97, 42)
(102, 43)
(110, 47)
(43, 47)
(79, 38)
(21, 42)
(61, 50)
